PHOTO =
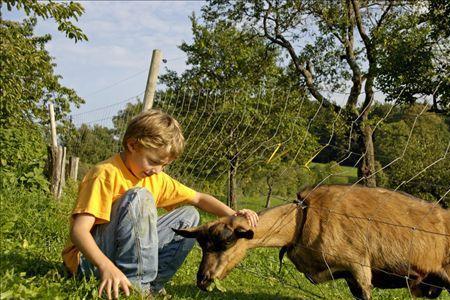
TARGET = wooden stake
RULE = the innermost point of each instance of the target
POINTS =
(73, 167)
(62, 172)
(57, 155)
(53, 125)
(58, 159)
(151, 80)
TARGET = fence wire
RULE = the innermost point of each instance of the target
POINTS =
(221, 128)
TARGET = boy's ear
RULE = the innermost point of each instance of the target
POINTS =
(132, 144)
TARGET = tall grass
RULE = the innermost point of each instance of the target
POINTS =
(34, 229)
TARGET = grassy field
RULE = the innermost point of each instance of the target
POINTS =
(34, 229)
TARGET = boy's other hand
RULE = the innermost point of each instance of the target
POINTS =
(250, 215)
(113, 279)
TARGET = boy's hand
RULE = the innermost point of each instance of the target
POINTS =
(112, 278)
(250, 215)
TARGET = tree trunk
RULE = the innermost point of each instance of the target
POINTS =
(232, 182)
(435, 107)
(269, 192)
(367, 165)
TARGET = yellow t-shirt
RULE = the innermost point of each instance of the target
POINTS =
(107, 182)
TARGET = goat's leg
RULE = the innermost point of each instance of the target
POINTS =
(446, 276)
(327, 275)
(440, 280)
(432, 285)
(421, 290)
(354, 287)
(361, 283)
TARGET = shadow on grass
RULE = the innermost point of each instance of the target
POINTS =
(29, 263)
(192, 292)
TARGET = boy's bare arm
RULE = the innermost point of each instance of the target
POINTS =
(111, 277)
(214, 206)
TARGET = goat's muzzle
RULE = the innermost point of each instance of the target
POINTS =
(203, 281)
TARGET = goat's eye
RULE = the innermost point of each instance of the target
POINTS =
(218, 243)
(219, 239)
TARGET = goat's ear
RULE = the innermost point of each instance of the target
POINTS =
(242, 233)
(187, 233)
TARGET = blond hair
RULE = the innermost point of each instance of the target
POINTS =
(156, 129)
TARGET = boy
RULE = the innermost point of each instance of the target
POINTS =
(115, 231)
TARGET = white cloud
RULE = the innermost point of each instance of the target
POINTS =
(122, 35)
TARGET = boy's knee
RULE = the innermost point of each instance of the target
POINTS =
(189, 215)
(138, 200)
(139, 194)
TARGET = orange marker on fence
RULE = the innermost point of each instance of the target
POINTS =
(274, 152)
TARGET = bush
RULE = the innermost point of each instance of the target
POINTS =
(23, 156)
(287, 179)
(417, 164)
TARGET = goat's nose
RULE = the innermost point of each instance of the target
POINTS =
(202, 277)
(203, 281)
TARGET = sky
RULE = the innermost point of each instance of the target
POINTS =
(113, 65)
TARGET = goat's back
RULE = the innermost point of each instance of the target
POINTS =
(382, 228)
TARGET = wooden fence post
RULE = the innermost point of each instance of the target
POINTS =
(151, 80)
(53, 125)
(73, 167)
(62, 167)
(55, 165)
(58, 159)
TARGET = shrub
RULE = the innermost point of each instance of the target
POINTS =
(416, 153)
(23, 156)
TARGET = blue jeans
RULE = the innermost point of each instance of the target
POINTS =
(143, 246)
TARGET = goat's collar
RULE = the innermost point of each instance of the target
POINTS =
(301, 203)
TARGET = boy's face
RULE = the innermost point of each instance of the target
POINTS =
(144, 162)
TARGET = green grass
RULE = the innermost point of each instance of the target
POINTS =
(34, 229)
(341, 174)
(349, 171)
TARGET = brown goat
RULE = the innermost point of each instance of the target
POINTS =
(368, 236)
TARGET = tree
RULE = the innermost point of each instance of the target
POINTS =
(93, 144)
(123, 116)
(414, 62)
(416, 145)
(29, 84)
(331, 44)
(61, 13)
(437, 16)
(27, 69)
(232, 79)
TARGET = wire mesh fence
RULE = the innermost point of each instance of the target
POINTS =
(268, 144)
